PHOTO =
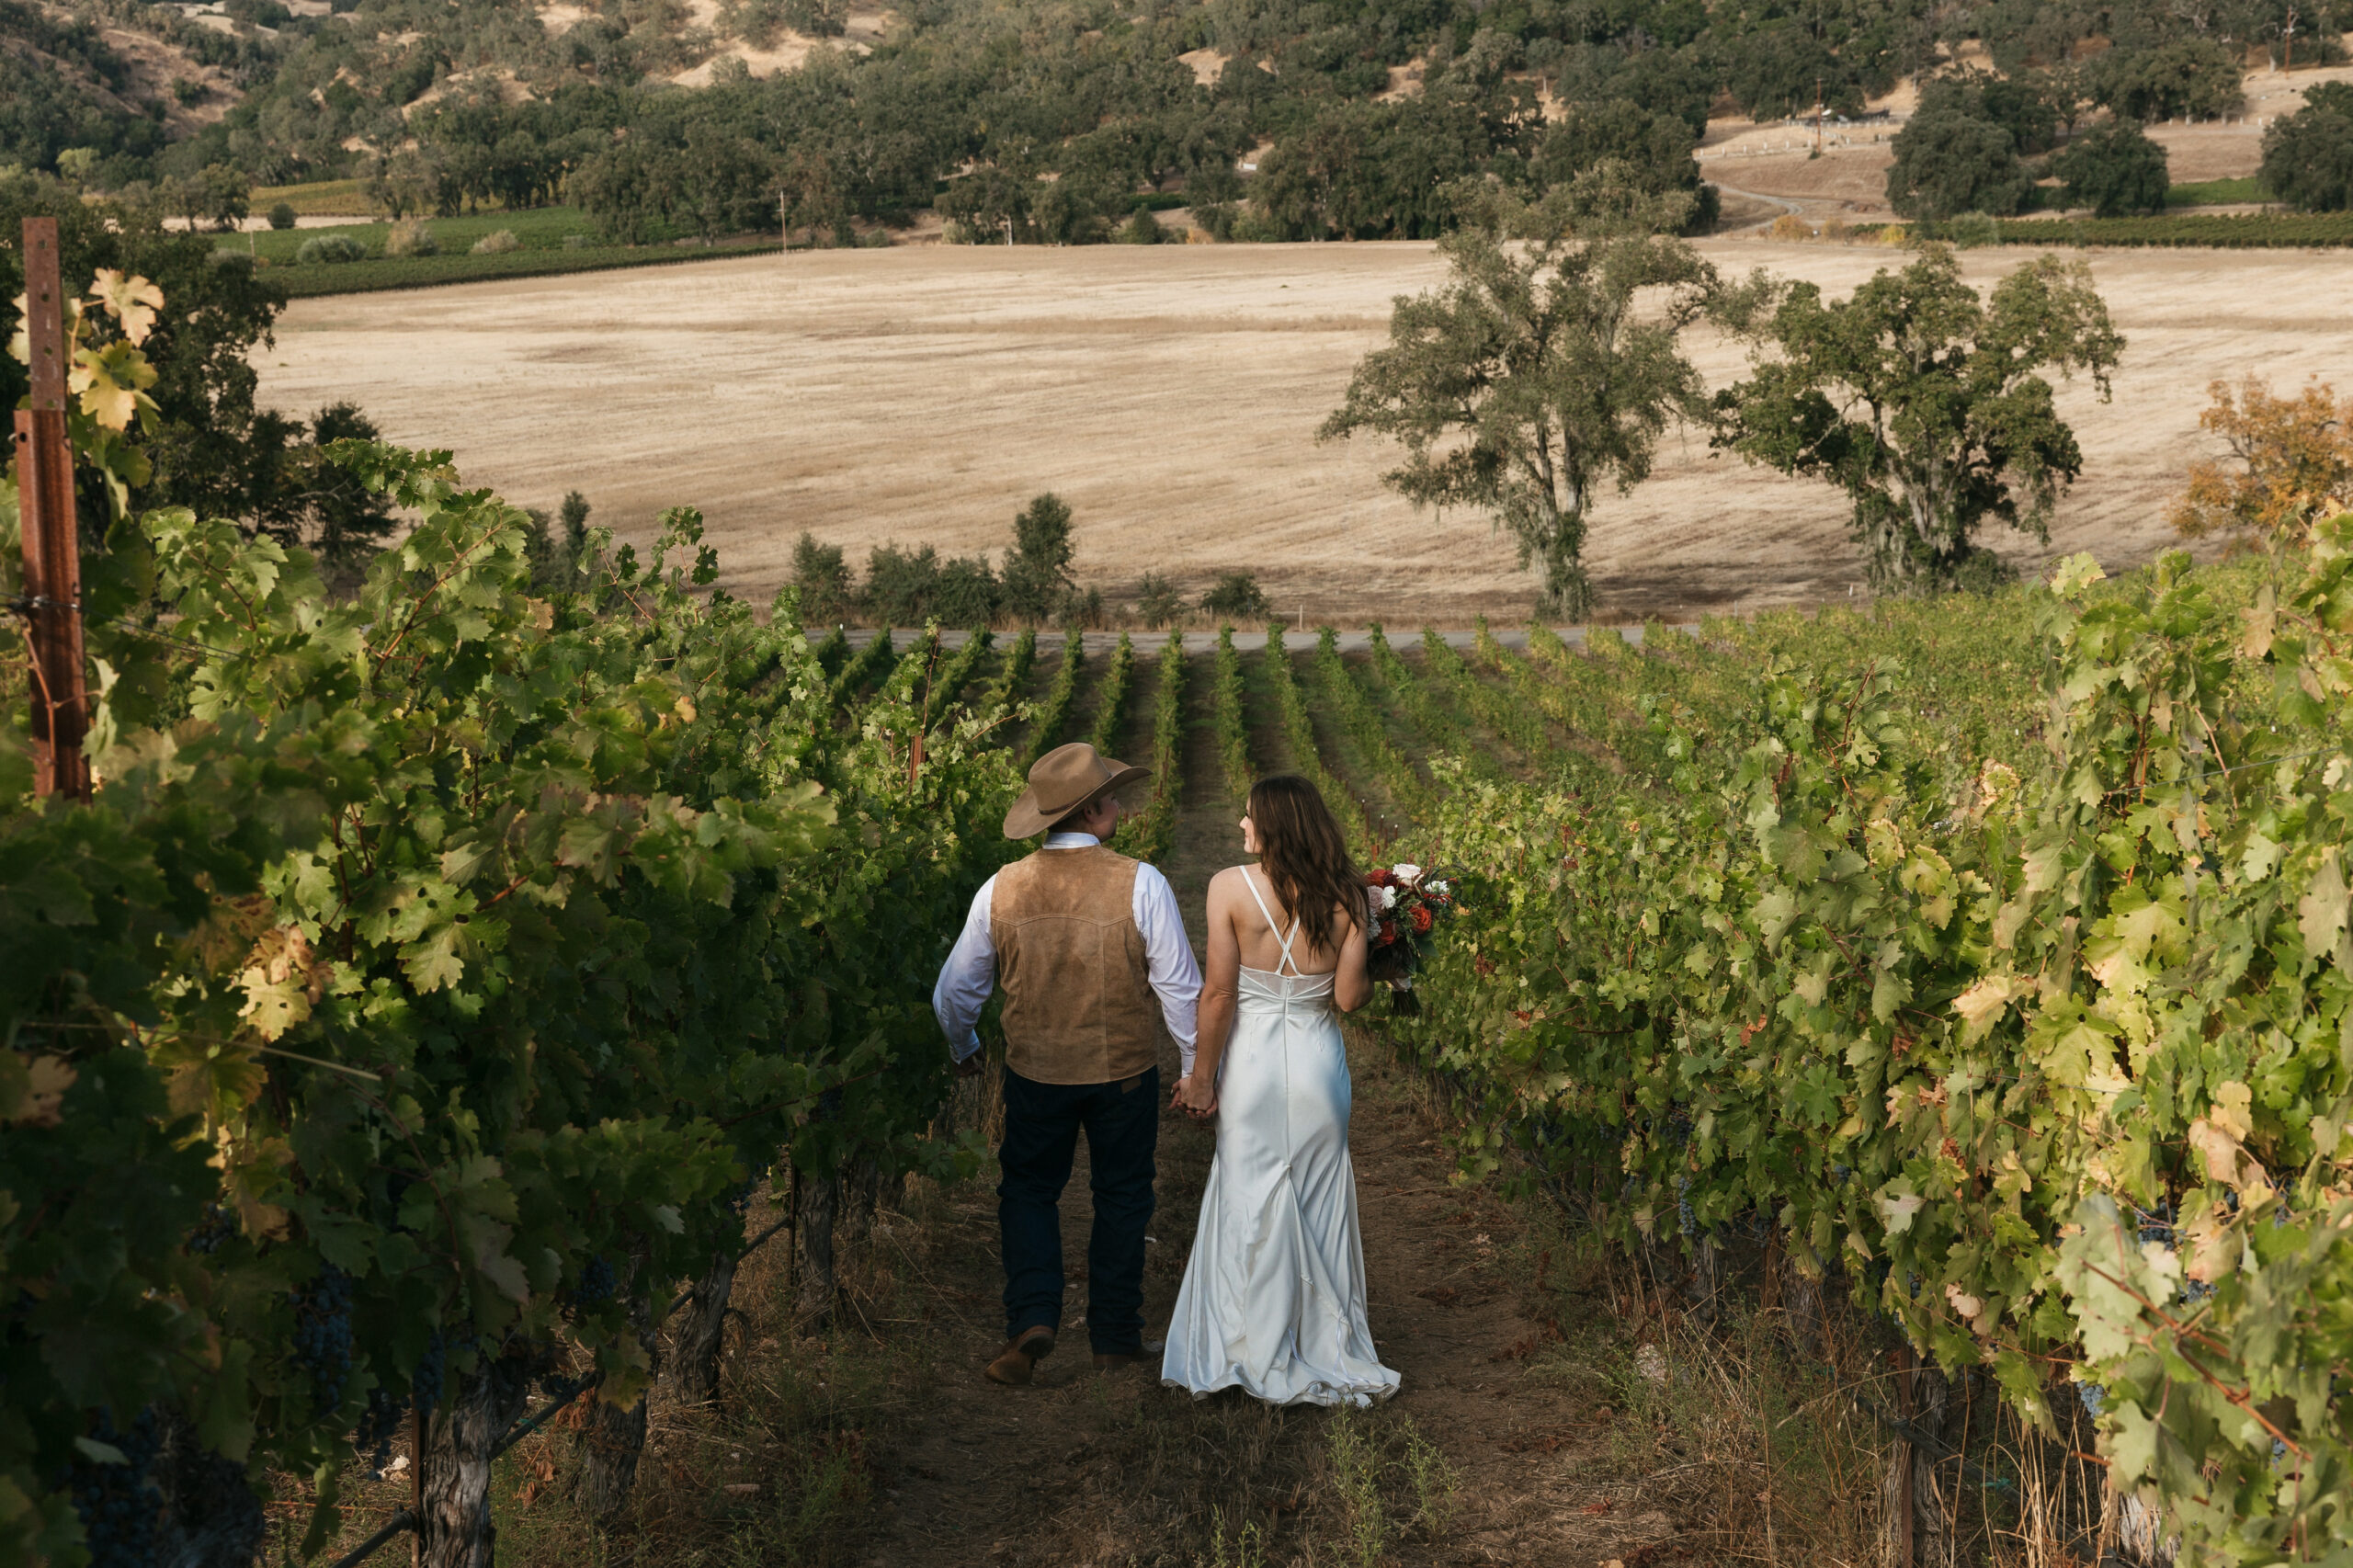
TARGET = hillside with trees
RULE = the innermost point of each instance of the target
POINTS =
(1055, 122)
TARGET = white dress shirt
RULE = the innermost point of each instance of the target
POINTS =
(970, 973)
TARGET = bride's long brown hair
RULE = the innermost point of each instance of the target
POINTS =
(1303, 852)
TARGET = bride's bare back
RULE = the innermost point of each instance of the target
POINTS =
(1240, 937)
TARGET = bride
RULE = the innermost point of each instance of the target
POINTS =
(1273, 1300)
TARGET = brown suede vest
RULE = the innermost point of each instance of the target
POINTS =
(1079, 1008)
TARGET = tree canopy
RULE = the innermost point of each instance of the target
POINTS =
(2308, 155)
(1923, 403)
(2291, 460)
(2114, 168)
(1530, 382)
(1949, 162)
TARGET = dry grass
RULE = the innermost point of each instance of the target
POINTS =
(1172, 395)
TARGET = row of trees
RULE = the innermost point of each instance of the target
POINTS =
(909, 587)
(1531, 384)
(1037, 584)
(1980, 143)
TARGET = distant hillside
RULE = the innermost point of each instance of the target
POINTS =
(1039, 120)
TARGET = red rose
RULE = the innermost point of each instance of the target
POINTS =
(1378, 878)
(1388, 932)
(1421, 918)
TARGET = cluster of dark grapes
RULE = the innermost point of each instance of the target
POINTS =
(323, 1335)
(1691, 1222)
(122, 1509)
(234, 1514)
(211, 1231)
(432, 1371)
(596, 1283)
(377, 1423)
(741, 1198)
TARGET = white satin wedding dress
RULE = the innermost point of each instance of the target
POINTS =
(1273, 1300)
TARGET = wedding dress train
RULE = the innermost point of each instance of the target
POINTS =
(1273, 1300)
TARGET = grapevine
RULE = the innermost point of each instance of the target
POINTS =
(1957, 1031)
(481, 940)
(954, 676)
(1005, 690)
(1298, 730)
(1119, 681)
(1155, 831)
(863, 669)
(1357, 719)
(1228, 703)
(1054, 712)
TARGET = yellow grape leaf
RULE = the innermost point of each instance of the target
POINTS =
(2322, 912)
(2225, 1161)
(20, 343)
(113, 383)
(131, 300)
(1982, 1003)
(2233, 1110)
(2075, 575)
(2260, 618)
(2213, 1244)
(36, 1093)
(280, 983)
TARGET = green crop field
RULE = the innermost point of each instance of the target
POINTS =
(548, 239)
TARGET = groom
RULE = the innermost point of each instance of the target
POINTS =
(1090, 950)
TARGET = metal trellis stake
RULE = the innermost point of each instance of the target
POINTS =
(53, 602)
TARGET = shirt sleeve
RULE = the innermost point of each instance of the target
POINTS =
(966, 978)
(1168, 958)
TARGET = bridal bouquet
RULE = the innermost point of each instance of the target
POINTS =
(1404, 903)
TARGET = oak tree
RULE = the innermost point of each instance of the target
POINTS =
(1531, 381)
(1923, 403)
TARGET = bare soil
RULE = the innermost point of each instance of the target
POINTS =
(1172, 393)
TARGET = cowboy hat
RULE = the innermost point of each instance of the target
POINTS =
(1060, 782)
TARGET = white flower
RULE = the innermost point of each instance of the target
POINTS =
(1440, 888)
(1408, 875)
(1388, 897)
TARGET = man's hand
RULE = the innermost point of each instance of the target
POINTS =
(970, 1067)
(1198, 1100)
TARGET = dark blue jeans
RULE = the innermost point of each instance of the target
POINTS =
(1042, 1125)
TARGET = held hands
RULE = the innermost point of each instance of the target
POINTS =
(1195, 1097)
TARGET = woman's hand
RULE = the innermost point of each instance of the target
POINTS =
(1196, 1099)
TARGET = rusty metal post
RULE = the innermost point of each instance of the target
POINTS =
(60, 705)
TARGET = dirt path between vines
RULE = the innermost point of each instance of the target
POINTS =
(1094, 1470)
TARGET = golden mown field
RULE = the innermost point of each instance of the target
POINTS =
(1171, 394)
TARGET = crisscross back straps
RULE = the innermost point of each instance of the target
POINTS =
(1278, 937)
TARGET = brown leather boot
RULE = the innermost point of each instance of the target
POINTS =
(1112, 1361)
(1019, 1359)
